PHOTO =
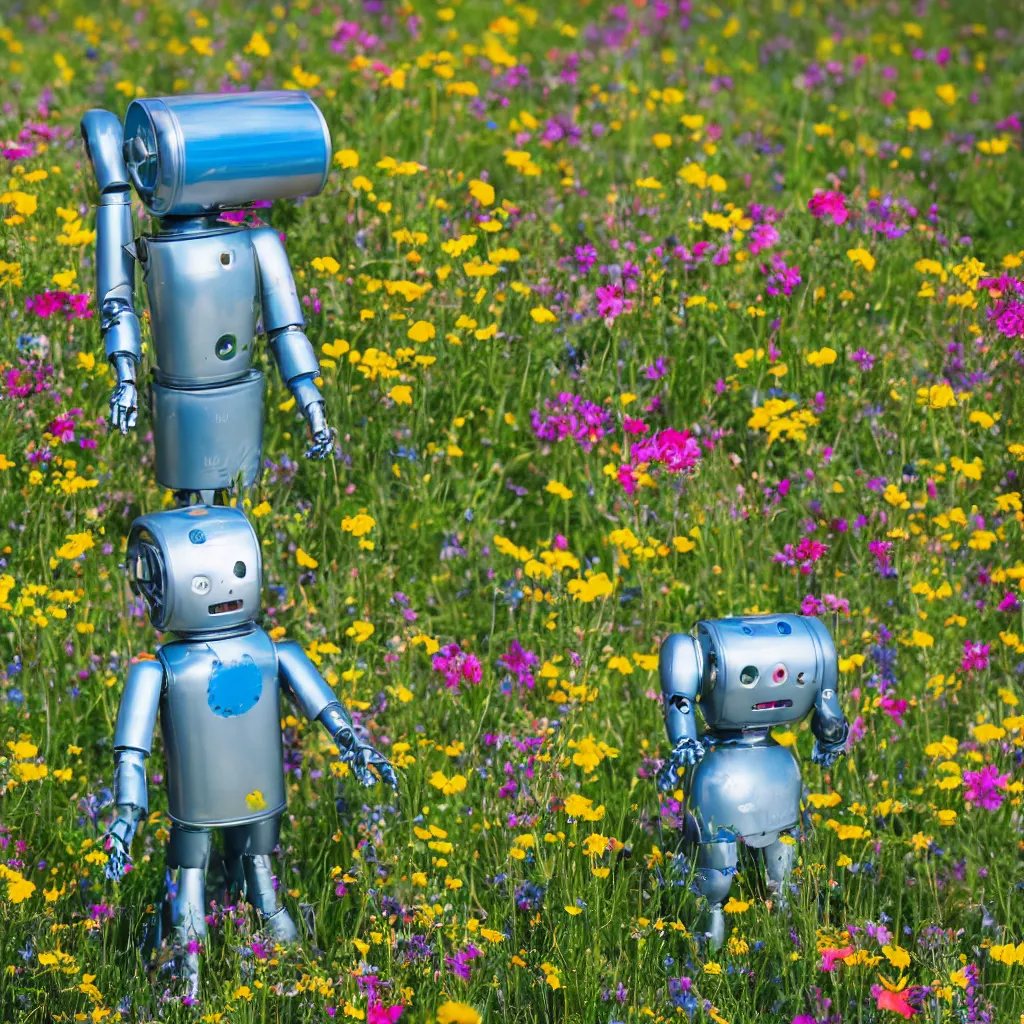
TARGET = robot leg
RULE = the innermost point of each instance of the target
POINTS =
(252, 845)
(779, 858)
(716, 864)
(189, 853)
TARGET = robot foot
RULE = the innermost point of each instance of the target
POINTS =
(281, 926)
(716, 865)
(188, 971)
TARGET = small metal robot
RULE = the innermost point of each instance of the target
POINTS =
(216, 686)
(749, 675)
(210, 284)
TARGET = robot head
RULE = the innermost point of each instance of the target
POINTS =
(193, 155)
(763, 670)
(196, 568)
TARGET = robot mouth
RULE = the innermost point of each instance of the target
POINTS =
(224, 606)
(771, 705)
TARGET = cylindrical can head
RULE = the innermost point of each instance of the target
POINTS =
(197, 568)
(191, 155)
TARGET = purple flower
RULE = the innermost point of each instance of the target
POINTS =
(569, 416)
(782, 279)
(520, 663)
(864, 359)
(585, 256)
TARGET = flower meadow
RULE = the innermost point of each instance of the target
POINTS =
(629, 315)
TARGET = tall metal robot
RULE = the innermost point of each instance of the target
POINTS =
(742, 787)
(216, 685)
(211, 285)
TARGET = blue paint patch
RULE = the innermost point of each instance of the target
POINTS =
(197, 536)
(234, 688)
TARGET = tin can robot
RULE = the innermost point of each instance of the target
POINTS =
(216, 687)
(212, 286)
(747, 675)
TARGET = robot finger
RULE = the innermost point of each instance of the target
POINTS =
(390, 776)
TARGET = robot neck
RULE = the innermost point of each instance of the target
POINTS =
(751, 737)
(229, 632)
(201, 224)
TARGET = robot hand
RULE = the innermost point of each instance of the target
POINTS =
(364, 760)
(826, 754)
(124, 406)
(323, 435)
(686, 752)
(118, 841)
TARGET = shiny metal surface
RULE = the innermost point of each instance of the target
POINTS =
(204, 306)
(140, 701)
(206, 438)
(302, 681)
(679, 668)
(194, 154)
(751, 791)
(221, 721)
(210, 564)
(130, 780)
(758, 671)
(104, 138)
(281, 305)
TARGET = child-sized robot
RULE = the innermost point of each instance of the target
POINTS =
(749, 675)
(216, 686)
(210, 284)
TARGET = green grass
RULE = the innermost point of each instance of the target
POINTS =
(946, 892)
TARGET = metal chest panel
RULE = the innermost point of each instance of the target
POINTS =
(751, 791)
(204, 305)
(221, 722)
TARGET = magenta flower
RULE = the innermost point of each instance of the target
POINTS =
(975, 657)
(829, 204)
(895, 709)
(803, 556)
(73, 305)
(983, 788)
(830, 957)
(611, 303)
(378, 1013)
(457, 666)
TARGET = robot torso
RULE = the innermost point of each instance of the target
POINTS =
(204, 303)
(221, 723)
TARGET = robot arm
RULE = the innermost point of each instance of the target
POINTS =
(318, 703)
(830, 728)
(679, 666)
(133, 737)
(115, 263)
(283, 321)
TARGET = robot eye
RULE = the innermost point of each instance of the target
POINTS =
(749, 675)
(780, 674)
(239, 570)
